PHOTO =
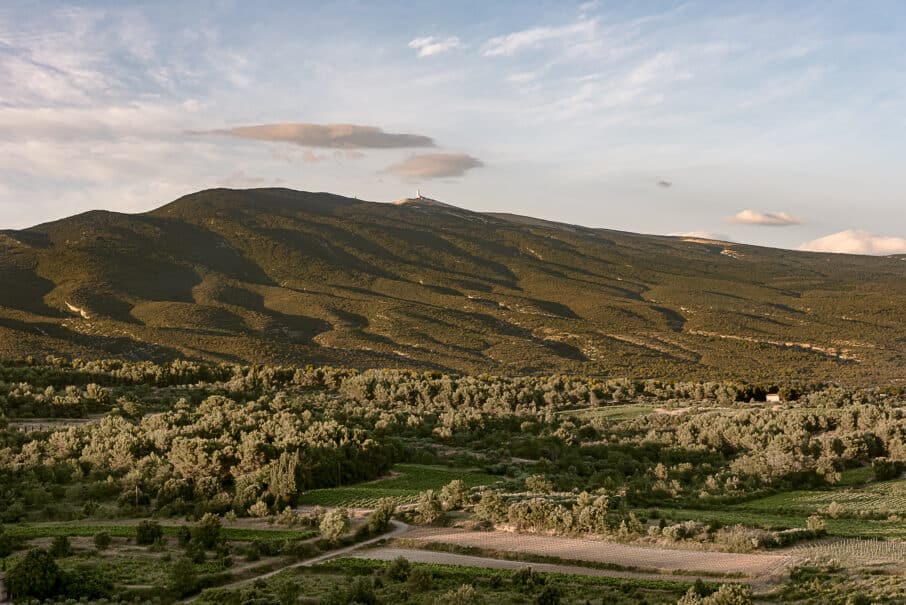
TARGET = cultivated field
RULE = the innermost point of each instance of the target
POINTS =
(882, 498)
(661, 559)
(404, 486)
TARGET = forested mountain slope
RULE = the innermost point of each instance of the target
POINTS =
(281, 276)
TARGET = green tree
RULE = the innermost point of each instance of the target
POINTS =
(399, 569)
(8, 543)
(334, 523)
(36, 576)
(727, 594)
(183, 578)
(454, 495)
(464, 595)
(102, 540)
(428, 509)
(538, 484)
(207, 531)
(282, 484)
(148, 532)
(60, 547)
(379, 519)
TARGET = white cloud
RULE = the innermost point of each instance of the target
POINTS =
(434, 165)
(854, 241)
(768, 219)
(429, 45)
(515, 42)
(338, 136)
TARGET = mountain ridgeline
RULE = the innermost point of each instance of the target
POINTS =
(281, 276)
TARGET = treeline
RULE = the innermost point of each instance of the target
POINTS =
(258, 436)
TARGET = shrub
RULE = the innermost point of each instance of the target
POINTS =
(60, 547)
(454, 495)
(183, 579)
(334, 524)
(549, 595)
(399, 569)
(428, 509)
(148, 532)
(8, 543)
(86, 582)
(815, 523)
(380, 517)
(538, 484)
(207, 531)
(420, 579)
(728, 594)
(102, 540)
(36, 576)
(464, 595)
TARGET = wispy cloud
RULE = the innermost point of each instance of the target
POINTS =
(766, 219)
(515, 42)
(337, 136)
(854, 241)
(434, 165)
(429, 45)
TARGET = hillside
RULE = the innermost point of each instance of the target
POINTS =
(280, 276)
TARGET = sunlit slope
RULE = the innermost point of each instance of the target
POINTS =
(274, 275)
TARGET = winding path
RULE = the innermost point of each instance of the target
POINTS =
(399, 528)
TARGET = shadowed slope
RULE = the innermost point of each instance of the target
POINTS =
(275, 275)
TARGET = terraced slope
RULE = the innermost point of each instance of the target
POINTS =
(281, 276)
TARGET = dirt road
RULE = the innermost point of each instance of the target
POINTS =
(754, 566)
(399, 528)
(443, 558)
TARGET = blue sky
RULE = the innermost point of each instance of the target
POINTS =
(766, 122)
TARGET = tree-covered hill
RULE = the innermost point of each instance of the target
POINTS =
(281, 276)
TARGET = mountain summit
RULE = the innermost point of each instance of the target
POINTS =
(282, 276)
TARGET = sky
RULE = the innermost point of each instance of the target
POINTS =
(774, 123)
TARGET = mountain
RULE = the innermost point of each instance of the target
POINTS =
(281, 276)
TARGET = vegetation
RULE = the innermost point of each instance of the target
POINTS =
(274, 276)
(188, 477)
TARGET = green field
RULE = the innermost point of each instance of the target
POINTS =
(236, 534)
(882, 498)
(405, 487)
(611, 412)
(845, 528)
(493, 586)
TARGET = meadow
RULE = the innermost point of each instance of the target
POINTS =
(403, 486)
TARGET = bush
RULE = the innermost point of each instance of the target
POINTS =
(8, 543)
(380, 517)
(60, 547)
(87, 582)
(428, 509)
(728, 594)
(420, 579)
(464, 595)
(399, 569)
(207, 531)
(334, 524)
(36, 576)
(549, 595)
(102, 540)
(539, 484)
(148, 532)
(885, 469)
(183, 579)
(359, 592)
